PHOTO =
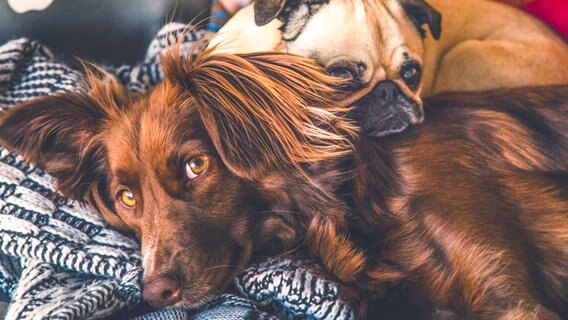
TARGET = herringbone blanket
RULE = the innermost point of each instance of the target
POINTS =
(59, 260)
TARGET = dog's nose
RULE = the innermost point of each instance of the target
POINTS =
(161, 291)
(386, 110)
(387, 92)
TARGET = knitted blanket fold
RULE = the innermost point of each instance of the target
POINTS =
(60, 260)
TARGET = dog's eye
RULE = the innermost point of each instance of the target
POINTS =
(351, 72)
(345, 73)
(196, 166)
(411, 74)
(127, 198)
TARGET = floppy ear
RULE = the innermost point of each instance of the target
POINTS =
(59, 133)
(264, 111)
(267, 10)
(423, 13)
(275, 235)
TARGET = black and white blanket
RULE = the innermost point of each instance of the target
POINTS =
(59, 260)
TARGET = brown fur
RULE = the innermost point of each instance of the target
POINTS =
(260, 119)
(469, 212)
(466, 214)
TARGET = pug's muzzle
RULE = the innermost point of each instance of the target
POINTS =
(386, 110)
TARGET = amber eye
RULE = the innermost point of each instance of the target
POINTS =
(196, 166)
(127, 198)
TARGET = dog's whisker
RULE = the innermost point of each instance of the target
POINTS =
(186, 249)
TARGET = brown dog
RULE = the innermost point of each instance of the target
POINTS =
(469, 211)
(199, 168)
(466, 214)
(472, 45)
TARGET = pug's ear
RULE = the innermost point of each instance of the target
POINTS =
(267, 10)
(421, 13)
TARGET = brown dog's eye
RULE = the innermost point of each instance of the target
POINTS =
(411, 74)
(127, 198)
(196, 166)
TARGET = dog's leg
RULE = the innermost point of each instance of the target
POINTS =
(475, 64)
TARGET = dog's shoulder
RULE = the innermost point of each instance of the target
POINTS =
(525, 128)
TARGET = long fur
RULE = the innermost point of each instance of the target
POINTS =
(466, 214)
(264, 121)
(469, 212)
(281, 105)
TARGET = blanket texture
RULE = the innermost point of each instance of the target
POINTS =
(59, 260)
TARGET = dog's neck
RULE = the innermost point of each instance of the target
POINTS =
(297, 197)
(333, 213)
(370, 181)
(374, 181)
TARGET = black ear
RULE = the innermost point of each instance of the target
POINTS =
(267, 10)
(58, 133)
(422, 13)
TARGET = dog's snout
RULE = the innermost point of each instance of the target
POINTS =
(387, 92)
(387, 110)
(162, 291)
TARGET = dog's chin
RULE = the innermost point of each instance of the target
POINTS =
(199, 293)
(191, 301)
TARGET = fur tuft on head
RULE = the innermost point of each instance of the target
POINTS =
(264, 111)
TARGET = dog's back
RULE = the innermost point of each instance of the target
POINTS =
(490, 45)
(475, 203)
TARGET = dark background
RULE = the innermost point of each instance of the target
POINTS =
(104, 31)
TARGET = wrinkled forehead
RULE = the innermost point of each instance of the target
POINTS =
(370, 30)
(335, 27)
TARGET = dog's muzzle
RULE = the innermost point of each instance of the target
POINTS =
(386, 110)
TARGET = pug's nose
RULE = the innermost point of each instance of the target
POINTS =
(387, 92)
(161, 291)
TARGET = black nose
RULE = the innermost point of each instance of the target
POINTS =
(386, 110)
(161, 291)
(386, 93)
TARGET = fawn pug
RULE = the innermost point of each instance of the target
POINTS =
(466, 214)
(473, 45)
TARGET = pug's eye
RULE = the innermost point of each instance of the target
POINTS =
(127, 198)
(196, 166)
(351, 72)
(411, 74)
(345, 73)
